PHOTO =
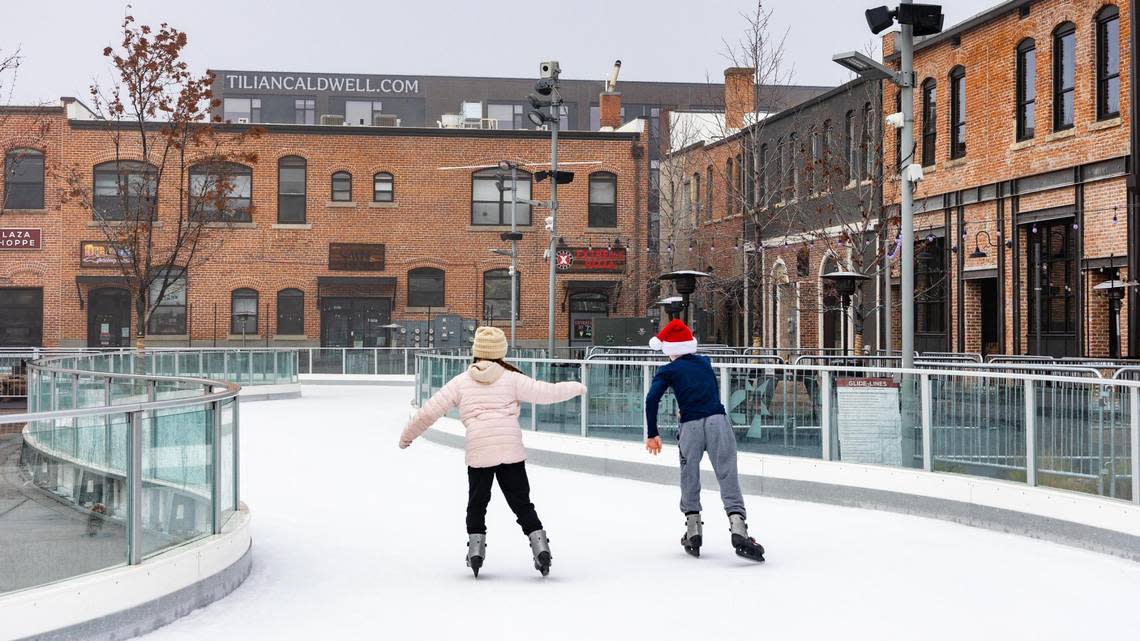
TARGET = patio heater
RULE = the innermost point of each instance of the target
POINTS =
(685, 281)
(1113, 289)
(845, 284)
(671, 305)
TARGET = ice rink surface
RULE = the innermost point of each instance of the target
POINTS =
(356, 539)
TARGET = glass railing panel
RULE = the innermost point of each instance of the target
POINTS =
(177, 461)
(360, 361)
(191, 363)
(328, 360)
(876, 418)
(303, 361)
(59, 518)
(227, 490)
(527, 368)
(563, 417)
(775, 411)
(978, 426)
(615, 401)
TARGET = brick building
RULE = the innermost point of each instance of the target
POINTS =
(348, 237)
(795, 195)
(1022, 127)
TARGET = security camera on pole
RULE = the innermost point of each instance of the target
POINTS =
(915, 20)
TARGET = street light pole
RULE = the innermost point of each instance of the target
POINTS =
(554, 113)
(906, 215)
(514, 252)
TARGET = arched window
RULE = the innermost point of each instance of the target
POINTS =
(1108, 63)
(762, 180)
(728, 195)
(220, 192)
(850, 153)
(709, 192)
(814, 169)
(243, 311)
(929, 122)
(957, 112)
(830, 311)
(778, 174)
(383, 188)
(1026, 89)
(868, 143)
(23, 179)
(491, 205)
(1064, 74)
(342, 187)
(291, 312)
(291, 190)
(124, 190)
(425, 287)
(795, 156)
(696, 199)
(497, 294)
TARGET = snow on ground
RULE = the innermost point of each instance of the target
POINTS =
(356, 539)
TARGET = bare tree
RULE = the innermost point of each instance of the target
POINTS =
(177, 180)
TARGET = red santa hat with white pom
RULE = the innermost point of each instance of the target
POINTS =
(675, 339)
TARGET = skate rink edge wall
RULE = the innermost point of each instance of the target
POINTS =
(1088, 522)
(131, 600)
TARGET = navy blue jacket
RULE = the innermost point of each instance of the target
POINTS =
(695, 386)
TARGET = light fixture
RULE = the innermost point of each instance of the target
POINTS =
(536, 117)
(880, 19)
(925, 19)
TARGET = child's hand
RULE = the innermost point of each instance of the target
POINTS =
(581, 389)
(653, 445)
(404, 444)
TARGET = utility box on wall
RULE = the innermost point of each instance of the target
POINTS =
(623, 332)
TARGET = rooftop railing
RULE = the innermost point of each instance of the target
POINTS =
(1071, 429)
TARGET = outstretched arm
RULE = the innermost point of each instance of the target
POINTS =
(435, 407)
(529, 390)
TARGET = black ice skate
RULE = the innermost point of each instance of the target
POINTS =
(476, 552)
(540, 547)
(745, 546)
(694, 536)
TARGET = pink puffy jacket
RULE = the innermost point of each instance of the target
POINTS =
(488, 397)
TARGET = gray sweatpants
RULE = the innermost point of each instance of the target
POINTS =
(714, 435)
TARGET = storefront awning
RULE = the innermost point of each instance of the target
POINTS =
(356, 286)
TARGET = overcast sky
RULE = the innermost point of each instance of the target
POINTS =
(674, 40)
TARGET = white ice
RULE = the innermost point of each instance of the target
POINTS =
(356, 539)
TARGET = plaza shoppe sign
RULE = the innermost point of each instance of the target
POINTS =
(590, 260)
(12, 238)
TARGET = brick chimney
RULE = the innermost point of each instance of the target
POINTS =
(739, 95)
(609, 110)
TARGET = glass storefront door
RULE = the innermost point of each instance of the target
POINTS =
(108, 317)
(355, 322)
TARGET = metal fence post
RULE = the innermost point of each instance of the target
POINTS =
(236, 433)
(1134, 414)
(825, 427)
(215, 465)
(134, 490)
(723, 382)
(927, 421)
(405, 350)
(376, 361)
(646, 381)
(343, 361)
(107, 443)
(1030, 434)
(585, 402)
(225, 365)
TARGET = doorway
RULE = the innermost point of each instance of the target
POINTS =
(583, 308)
(21, 317)
(990, 312)
(108, 317)
(355, 322)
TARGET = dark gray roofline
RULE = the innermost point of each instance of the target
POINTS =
(964, 26)
(342, 130)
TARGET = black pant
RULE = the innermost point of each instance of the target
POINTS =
(516, 489)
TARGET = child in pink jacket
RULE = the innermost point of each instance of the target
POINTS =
(488, 396)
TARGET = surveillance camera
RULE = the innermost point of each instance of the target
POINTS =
(913, 173)
(549, 223)
(895, 120)
(549, 69)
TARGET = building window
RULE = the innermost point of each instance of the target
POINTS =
(868, 144)
(929, 122)
(23, 179)
(1108, 63)
(507, 116)
(342, 187)
(709, 192)
(291, 312)
(825, 160)
(930, 287)
(167, 294)
(750, 178)
(243, 311)
(425, 287)
(383, 188)
(291, 178)
(654, 200)
(1026, 89)
(241, 110)
(124, 190)
(738, 183)
(497, 295)
(778, 175)
(793, 166)
(686, 202)
(492, 206)
(728, 187)
(762, 183)
(957, 112)
(814, 168)
(1064, 73)
(221, 192)
(696, 184)
(305, 111)
(603, 200)
(850, 154)
(362, 112)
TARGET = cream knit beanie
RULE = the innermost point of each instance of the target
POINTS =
(490, 343)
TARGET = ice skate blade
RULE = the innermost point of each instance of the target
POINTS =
(475, 563)
(542, 563)
(748, 548)
(692, 545)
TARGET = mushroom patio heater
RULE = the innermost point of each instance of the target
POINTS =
(671, 305)
(685, 281)
(1114, 290)
(845, 284)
